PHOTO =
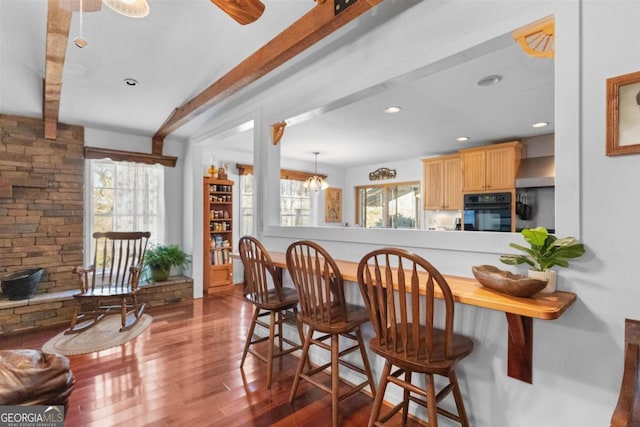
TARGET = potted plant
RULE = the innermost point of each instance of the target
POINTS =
(544, 252)
(161, 258)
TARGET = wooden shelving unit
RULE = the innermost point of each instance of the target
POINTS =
(218, 234)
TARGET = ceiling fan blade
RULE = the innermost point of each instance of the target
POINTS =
(243, 11)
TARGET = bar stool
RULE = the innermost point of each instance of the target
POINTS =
(265, 291)
(323, 309)
(406, 337)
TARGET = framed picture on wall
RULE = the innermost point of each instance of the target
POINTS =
(333, 205)
(623, 114)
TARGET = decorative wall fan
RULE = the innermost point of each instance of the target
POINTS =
(538, 38)
(243, 11)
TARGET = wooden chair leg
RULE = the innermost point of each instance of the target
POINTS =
(304, 358)
(123, 312)
(432, 410)
(457, 395)
(300, 328)
(74, 319)
(335, 378)
(365, 361)
(252, 328)
(382, 387)
(137, 311)
(405, 399)
(281, 315)
(272, 332)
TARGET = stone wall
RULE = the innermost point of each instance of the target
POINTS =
(41, 201)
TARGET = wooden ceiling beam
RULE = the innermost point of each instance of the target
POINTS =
(58, 23)
(315, 25)
(129, 156)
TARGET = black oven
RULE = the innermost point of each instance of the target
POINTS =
(487, 212)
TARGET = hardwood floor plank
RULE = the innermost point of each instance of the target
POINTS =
(184, 371)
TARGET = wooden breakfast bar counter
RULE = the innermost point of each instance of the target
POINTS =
(520, 312)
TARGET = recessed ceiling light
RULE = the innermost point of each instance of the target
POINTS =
(392, 109)
(540, 124)
(130, 82)
(490, 80)
(462, 138)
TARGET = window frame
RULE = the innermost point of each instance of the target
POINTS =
(386, 199)
(158, 236)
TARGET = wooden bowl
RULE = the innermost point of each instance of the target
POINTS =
(506, 282)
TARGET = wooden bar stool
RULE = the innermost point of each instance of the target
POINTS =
(627, 412)
(265, 291)
(324, 310)
(398, 288)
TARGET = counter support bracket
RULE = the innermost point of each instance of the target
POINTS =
(520, 347)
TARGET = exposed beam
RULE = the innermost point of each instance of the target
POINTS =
(58, 23)
(129, 156)
(318, 23)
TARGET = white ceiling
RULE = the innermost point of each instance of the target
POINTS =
(185, 45)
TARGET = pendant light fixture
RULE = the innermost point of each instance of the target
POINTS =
(130, 8)
(316, 182)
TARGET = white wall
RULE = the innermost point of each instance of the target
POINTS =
(577, 361)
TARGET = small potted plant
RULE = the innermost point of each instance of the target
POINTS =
(161, 258)
(544, 252)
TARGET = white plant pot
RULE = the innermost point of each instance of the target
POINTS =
(550, 276)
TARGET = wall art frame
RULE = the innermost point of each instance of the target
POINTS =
(623, 114)
(333, 205)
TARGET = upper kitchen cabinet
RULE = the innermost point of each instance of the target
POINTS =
(491, 167)
(442, 183)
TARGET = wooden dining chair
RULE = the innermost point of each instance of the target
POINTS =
(413, 332)
(324, 311)
(263, 288)
(627, 411)
(110, 283)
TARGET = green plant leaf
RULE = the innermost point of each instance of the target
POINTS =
(166, 256)
(516, 260)
(535, 236)
(545, 250)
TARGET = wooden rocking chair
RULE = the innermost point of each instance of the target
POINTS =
(111, 282)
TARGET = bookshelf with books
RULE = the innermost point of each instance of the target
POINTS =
(218, 234)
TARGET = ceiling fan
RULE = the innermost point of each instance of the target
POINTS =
(243, 11)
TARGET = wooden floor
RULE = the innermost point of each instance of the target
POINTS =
(184, 371)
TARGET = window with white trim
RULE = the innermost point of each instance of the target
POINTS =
(126, 196)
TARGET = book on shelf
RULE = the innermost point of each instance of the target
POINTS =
(221, 256)
(220, 250)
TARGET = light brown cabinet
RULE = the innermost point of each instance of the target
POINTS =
(491, 167)
(442, 179)
(218, 234)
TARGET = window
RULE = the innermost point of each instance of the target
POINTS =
(126, 196)
(389, 205)
(295, 203)
(246, 205)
